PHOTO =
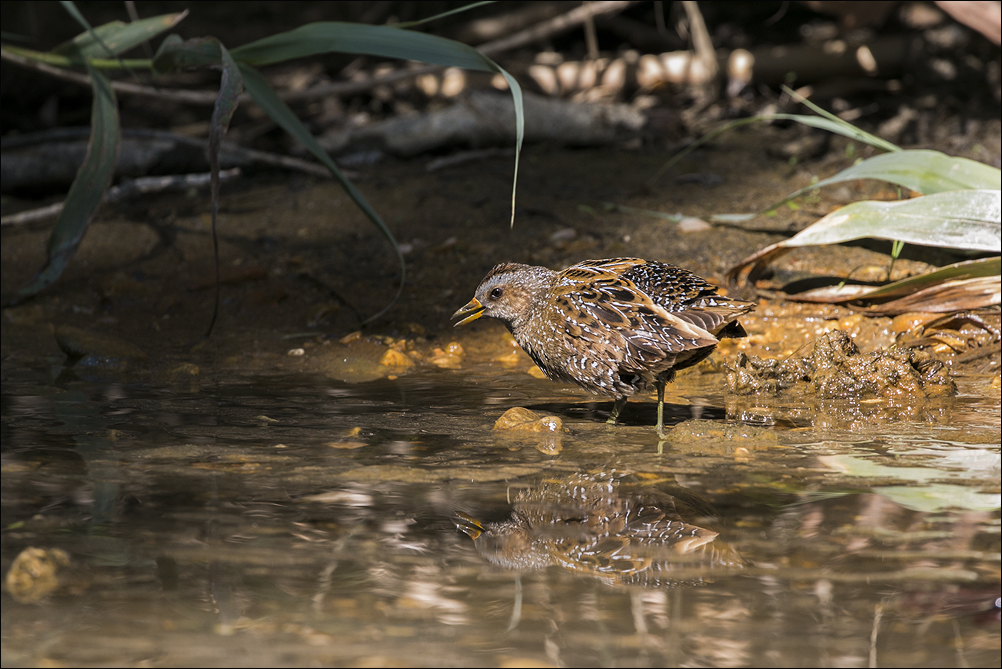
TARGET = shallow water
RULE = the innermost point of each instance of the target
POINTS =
(279, 518)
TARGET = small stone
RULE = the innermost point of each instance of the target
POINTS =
(907, 322)
(345, 445)
(37, 573)
(520, 419)
(296, 352)
(349, 338)
(444, 360)
(563, 235)
(691, 224)
(394, 358)
(509, 359)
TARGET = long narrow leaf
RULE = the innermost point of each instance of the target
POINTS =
(457, 10)
(87, 190)
(940, 297)
(176, 54)
(961, 271)
(230, 86)
(332, 36)
(965, 219)
(57, 60)
(387, 42)
(947, 297)
(921, 170)
(969, 273)
(118, 36)
(268, 100)
(72, 10)
(847, 129)
(838, 127)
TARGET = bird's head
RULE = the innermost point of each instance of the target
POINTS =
(508, 292)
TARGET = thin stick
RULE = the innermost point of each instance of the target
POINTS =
(127, 189)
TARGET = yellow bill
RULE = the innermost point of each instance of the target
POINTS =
(472, 310)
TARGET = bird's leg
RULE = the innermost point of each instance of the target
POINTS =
(660, 382)
(616, 408)
(661, 407)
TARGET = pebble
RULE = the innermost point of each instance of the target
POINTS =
(394, 358)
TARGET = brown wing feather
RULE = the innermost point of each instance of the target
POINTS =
(636, 338)
(624, 322)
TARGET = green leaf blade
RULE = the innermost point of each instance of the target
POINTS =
(385, 41)
(118, 36)
(88, 188)
(268, 100)
(388, 42)
(965, 219)
(921, 171)
(176, 54)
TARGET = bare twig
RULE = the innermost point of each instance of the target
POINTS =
(125, 190)
(467, 157)
(701, 42)
(555, 25)
(159, 142)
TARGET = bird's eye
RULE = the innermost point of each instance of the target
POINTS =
(496, 293)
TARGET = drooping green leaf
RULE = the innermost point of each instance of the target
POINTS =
(961, 271)
(964, 219)
(230, 86)
(921, 170)
(118, 36)
(87, 190)
(97, 40)
(387, 42)
(839, 127)
(962, 286)
(56, 60)
(843, 127)
(176, 54)
(457, 10)
(268, 100)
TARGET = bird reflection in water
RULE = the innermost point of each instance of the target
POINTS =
(620, 529)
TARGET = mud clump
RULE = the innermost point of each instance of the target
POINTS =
(836, 369)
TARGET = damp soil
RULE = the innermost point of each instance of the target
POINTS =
(300, 488)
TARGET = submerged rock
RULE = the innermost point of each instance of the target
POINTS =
(519, 419)
(836, 369)
(38, 573)
(522, 427)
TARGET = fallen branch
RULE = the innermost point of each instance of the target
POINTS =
(60, 152)
(125, 190)
(486, 118)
